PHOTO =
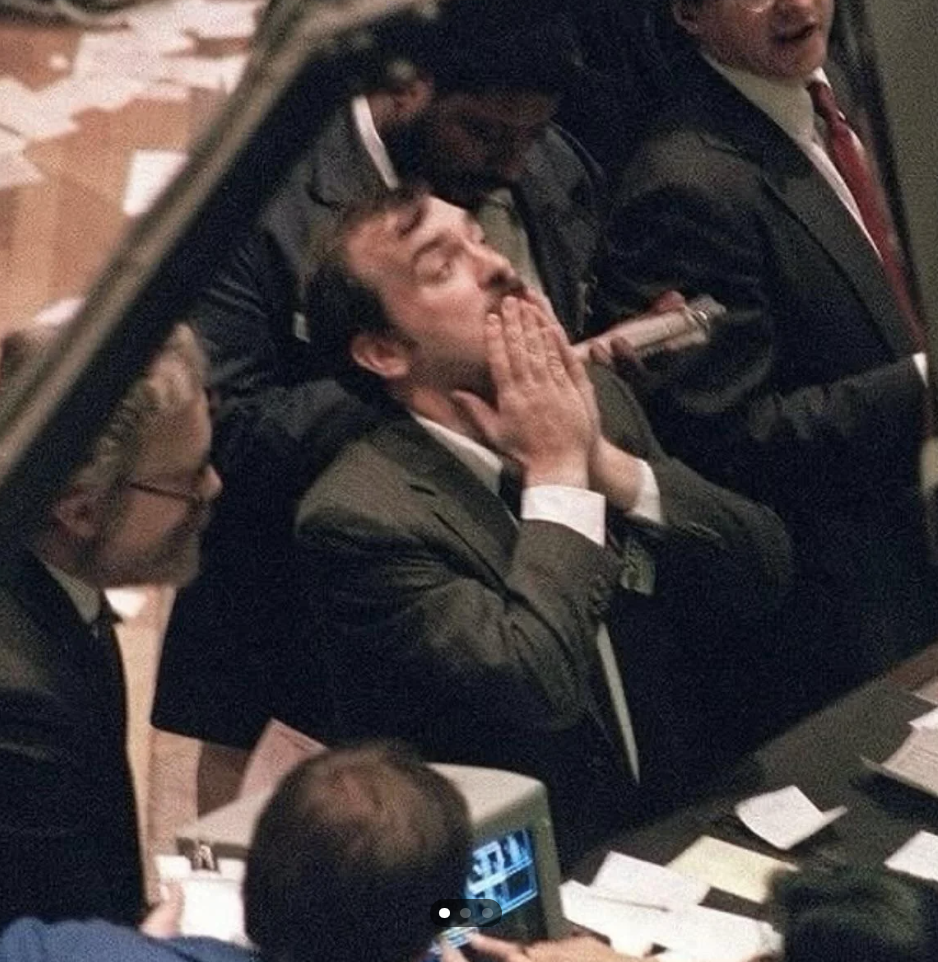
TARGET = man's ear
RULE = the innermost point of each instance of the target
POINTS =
(78, 513)
(412, 97)
(686, 14)
(380, 353)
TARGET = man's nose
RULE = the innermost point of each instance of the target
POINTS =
(211, 484)
(495, 269)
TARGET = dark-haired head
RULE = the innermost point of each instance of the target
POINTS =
(349, 856)
(341, 304)
(855, 914)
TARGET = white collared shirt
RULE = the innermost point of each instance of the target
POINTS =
(580, 509)
(371, 140)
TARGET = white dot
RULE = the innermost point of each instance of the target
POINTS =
(444, 912)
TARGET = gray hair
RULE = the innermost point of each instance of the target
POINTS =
(175, 377)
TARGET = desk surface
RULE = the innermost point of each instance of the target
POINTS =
(822, 757)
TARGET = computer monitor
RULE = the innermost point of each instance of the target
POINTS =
(514, 855)
(514, 859)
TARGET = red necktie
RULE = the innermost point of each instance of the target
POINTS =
(848, 156)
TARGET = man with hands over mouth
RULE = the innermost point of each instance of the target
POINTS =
(565, 641)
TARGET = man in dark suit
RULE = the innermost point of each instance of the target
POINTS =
(808, 396)
(131, 514)
(442, 619)
(471, 117)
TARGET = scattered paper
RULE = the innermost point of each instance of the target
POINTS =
(918, 856)
(730, 868)
(628, 927)
(708, 935)
(150, 173)
(915, 763)
(786, 817)
(59, 312)
(11, 143)
(17, 171)
(218, 21)
(643, 883)
(220, 73)
(212, 903)
(23, 111)
(928, 720)
(279, 749)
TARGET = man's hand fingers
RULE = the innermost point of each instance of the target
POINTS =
(668, 301)
(479, 413)
(514, 340)
(449, 953)
(497, 949)
(163, 921)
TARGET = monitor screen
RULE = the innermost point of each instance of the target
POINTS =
(504, 869)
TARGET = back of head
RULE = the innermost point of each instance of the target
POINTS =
(349, 856)
(857, 914)
(482, 46)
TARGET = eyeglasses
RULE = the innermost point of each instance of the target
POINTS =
(754, 6)
(190, 498)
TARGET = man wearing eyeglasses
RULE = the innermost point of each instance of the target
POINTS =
(132, 513)
(808, 396)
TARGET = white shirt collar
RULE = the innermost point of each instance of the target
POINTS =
(371, 140)
(789, 105)
(86, 598)
(485, 464)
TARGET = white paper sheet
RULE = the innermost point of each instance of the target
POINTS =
(628, 927)
(644, 883)
(22, 111)
(918, 856)
(915, 763)
(786, 817)
(928, 720)
(708, 935)
(730, 867)
(150, 173)
(17, 171)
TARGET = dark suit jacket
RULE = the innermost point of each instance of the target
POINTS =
(280, 421)
(68, 825)
(807, 398)
(444, 623)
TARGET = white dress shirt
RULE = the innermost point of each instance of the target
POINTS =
(578, 508)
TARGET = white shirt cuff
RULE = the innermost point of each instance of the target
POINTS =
(921, 362)
(578, 508)
(648, 503)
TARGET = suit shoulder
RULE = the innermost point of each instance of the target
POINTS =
(359, 484)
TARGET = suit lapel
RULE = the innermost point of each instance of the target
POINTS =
(53, 611)
(456, 497)
(740, 127)
(557, 228)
